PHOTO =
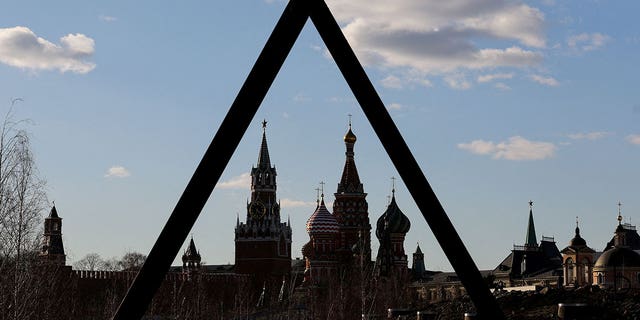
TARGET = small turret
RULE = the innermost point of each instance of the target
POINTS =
(191, 259)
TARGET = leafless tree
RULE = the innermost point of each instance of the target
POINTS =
(22, 200)
(132, 261)
(91, 262)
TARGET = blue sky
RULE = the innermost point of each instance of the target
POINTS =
(500, 102)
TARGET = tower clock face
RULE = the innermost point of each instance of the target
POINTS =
(257, 210)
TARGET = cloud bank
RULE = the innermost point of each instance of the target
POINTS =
(22, 48)
(441, 37)
(516, 148)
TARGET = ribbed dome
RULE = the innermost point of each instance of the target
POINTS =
(577, 240)
(396, 221)
(618, 257)
(322, 221)
(350, 137)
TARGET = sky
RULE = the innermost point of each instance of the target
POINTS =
(500, 101)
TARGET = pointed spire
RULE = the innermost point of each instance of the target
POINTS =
(350, 181)
(531, 240)
(54, 212)
(263, 156)
(418, 250)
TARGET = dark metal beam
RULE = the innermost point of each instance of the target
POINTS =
(214, 161)
(404, 162)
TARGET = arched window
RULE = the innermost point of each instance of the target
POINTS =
(600, 278)
(569, 268)
(587, 273)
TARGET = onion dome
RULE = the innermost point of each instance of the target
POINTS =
(350, 137)
(577, 240)
(322, 221)
(618, 257)
(191, 255)
(395, 220)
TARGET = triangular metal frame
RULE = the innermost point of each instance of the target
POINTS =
(237, 121)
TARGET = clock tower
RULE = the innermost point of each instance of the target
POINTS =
(263, 243)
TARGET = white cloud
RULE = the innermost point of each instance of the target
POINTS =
(634, 139)
(589, 135)
(242, 181)
(21, 48)
(547, 81)
(516, 148)
(442, 36)
(106, 18)
(301, 97)
(457, 81)
(290, 203)
(117, 172)
(395, 106)
(588, 41)
(502, 86)
(409, 78)
(392, 82)
(495, 76)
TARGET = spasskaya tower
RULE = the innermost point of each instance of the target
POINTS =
(263, 243)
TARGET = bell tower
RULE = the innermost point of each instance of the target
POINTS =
(350, 207)
(263, 243)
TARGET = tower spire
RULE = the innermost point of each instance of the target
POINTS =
(263, 156)
(531, 240)
(350, 181)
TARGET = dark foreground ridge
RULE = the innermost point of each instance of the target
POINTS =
(543, 304)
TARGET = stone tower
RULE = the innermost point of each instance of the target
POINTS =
(263, 243)
(417, 268)
(351, 209)
(52, 252)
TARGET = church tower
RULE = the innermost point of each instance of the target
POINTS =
(391, 229)
(52, 252)
(351, 209)
(263, 243)
(320, 252)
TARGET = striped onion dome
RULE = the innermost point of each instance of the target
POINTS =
(322, 221)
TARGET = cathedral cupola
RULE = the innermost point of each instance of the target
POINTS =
(320, 252)
(350, 181)
(322, 221)
(391, 229)
(392, 220)
(577, 239)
